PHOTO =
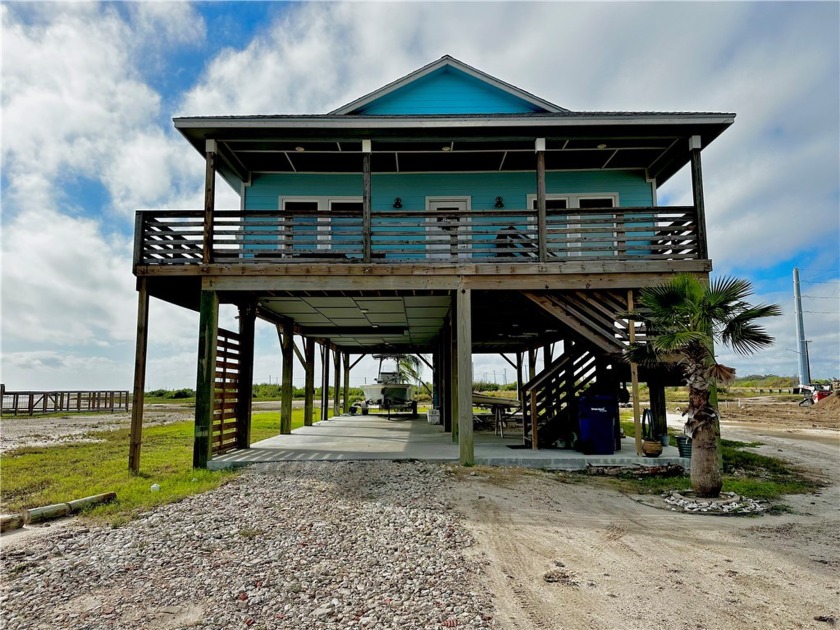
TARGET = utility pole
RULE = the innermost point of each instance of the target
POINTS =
(801, 344)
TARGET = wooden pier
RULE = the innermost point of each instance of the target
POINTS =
(30, 403)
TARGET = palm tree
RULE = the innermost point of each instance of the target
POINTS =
(408, 366)
(684, 318)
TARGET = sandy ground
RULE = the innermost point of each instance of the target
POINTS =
(561, 553)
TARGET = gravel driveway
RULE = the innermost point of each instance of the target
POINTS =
(293, 545)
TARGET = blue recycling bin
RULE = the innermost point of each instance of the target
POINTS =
(597, 419)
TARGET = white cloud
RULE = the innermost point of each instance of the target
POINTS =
(75, 103)
(64, 282)
(76, 108)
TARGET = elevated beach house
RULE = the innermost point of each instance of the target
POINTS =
(447, 213)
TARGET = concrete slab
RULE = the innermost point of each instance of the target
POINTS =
(376, 437)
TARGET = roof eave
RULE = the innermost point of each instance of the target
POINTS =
(446, 122)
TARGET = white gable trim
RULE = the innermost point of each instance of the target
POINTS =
(451, 62)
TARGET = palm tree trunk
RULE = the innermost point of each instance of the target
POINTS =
(706, 478)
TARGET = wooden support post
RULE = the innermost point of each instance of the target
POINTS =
(336, 382)
(542, 223)
(519, 382)
(697, 192)
(209, 202)
(245, 385)
(325, 380)
(346, 408)
(454, 399)
(658, 407)
(534, 442)
(206, 377)
(309, 381)
(286, 390)
(366, 195)
(532, 363)
(547, 355)
(634, 377)
(141, 345)
(465, 412)
(445, 391)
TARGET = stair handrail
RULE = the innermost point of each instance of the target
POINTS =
(547, 373)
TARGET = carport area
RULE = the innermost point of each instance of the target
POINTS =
(404, 437)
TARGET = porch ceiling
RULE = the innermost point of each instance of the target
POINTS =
(655, 143)
(366, 322)
(503, 321)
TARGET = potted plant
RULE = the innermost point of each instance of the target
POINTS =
(651, 443)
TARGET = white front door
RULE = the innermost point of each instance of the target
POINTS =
(447, 228)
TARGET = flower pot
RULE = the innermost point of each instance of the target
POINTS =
(651, 448)
(684, 445)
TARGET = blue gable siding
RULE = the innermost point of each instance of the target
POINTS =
(483, 188)
(448, 91)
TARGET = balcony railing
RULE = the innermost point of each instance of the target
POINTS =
(429, 237)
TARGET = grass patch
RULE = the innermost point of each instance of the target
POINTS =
(749, 474)
(36, 476)
(175, 402)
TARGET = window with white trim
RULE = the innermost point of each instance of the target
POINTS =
(570, 233)
(308, 226)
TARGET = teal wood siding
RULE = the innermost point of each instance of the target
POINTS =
(483, 188)
(448, 91)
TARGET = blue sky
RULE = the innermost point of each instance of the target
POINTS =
(89, 91)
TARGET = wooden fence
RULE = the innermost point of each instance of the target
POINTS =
(78, 401)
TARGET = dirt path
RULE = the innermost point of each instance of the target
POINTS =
(561, 553)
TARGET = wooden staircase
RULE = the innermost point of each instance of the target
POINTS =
(599, 332)
(597, 317)
(550, 398)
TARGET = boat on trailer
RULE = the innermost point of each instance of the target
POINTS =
(388, 391)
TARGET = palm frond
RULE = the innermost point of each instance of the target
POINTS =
(743, 334)
(721, 373)
(678, 340)
(747, 338)
(647, 355)
(728, 290)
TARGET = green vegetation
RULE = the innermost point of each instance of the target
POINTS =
(171, 394)
(750, 474)
(36, 476)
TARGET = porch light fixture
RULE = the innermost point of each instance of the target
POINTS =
(447, 147)
(397, 202)
(602, 146)
(300, 149)
(500, 203)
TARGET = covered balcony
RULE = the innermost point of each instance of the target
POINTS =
(632, 234)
